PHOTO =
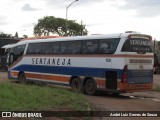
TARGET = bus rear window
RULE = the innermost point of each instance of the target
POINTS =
(139, 45)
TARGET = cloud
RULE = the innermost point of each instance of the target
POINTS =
(3, 20)
(64, 3)
(143, 8)
(2, 23)
(28, 25)
(27, 7)
(2, 17)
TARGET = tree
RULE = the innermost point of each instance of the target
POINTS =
(3, 35)
(16, 35)
(25, 36)
(159, 46)
(51, 25)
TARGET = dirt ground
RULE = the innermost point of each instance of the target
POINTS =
(137, 101)
(3, 76)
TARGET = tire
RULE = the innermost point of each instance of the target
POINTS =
(22, 78)
(90, 87)
(76, 85)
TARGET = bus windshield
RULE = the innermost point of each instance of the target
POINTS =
(138, 45)
(15, 53)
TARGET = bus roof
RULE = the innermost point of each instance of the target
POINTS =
(43, 37)
(49, 39)
(8, 46)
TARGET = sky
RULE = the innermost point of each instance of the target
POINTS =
(99, 16)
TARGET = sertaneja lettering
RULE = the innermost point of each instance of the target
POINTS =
(63, 62)
(44, 60)
(51, 61)
(40, 61)
(139, 42)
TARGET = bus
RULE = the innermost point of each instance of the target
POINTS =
(3, 57)
(115, 63)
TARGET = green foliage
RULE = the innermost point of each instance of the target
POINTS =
(157, 89)
(16, 34)
(3, 35)
(25, 36)
(50, 24)
(31, 97)
(159, 43)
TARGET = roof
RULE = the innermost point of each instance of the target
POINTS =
(8, 46)
(43, 37)
(58, 38)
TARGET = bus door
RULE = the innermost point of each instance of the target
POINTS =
(111, 80)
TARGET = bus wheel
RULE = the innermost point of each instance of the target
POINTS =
(90, 87)
(76, 85)
(22, 78)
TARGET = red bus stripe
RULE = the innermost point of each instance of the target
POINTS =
(48, 77)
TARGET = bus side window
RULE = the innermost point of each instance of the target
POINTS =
(90, 47)
(55, 48)
(108, 45)
(75, 47)
(44, 48)
(104, 48)
(65, 48)
(34, 48)
(71, 47)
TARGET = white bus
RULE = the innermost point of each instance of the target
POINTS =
(116, 63)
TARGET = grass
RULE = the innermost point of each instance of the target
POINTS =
(20, 97)
(157, 88)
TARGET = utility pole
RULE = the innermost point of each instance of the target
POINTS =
(67, 15)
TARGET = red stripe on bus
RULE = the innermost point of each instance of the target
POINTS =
(47, 77)
(101, 83)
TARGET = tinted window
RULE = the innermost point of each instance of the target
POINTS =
(34, 48)
(137, 45)
(90, 47)
(50, 48)
(16, 52)
(108, 45)
(70, 47)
